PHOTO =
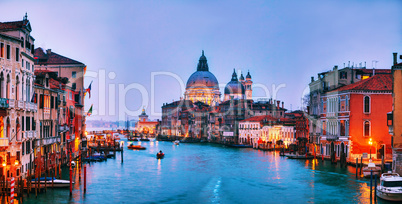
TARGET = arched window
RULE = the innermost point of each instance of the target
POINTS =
(366, 104)
(17, 88)
(347, 104)
(366, 128)
(8, 87)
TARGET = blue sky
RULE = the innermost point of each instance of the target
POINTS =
(280, 42)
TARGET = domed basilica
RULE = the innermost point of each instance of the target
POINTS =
(203, 86)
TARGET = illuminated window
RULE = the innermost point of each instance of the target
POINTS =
(366, 128)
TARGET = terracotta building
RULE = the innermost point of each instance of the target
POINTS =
(354, 114)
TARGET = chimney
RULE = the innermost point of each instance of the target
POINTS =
(282, 104)
(395, 58)
(48, 51)
(335, 67)
(312, 79)
(278, 102)
(373, 71)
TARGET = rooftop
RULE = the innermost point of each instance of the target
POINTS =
(49, 57)
(378, 82)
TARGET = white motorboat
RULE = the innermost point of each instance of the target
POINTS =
(371, 167)
(177, 142)
(57, 183)
(390, 187)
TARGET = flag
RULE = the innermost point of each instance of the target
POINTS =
(89, 89)
(89, 111)
(33, 100)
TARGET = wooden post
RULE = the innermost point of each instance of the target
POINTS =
(375, 187)
(371, 183)
(85, 178)
(382, 164)
(361, 165)
(357, 162)
(71, 181)
(121, 155)
(54, 173)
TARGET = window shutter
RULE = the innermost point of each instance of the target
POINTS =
(51, 102)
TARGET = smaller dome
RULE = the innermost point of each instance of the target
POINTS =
(234, 87)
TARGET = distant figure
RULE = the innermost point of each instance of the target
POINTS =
(160, 152)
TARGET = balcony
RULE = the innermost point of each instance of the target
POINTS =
(20, 104)
(332, 137)
(48, 140)
(64, 128)
(11, 103)
(4, 142)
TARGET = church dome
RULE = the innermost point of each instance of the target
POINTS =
(234, 86)
(202, 78)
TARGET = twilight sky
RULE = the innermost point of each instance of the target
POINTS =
(141, 53)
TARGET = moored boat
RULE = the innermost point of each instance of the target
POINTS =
(176, 142)
(390, 187)
(144, 139)
(138, 147)
(371, 167)
(57, 183)
(239, 145)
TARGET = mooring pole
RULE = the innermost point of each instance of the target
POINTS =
(85, 178)
(371, 183)
(357, 162)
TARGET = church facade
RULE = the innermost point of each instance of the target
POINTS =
(203, 114)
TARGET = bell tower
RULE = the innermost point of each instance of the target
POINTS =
(248, 85)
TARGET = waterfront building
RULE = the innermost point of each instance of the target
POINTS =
(17, 113)
(144, 126)
(395, 117)
(318, 105)
(234, 89)
(355, 114)
(74, 71)
(48, 91)
(264, 131)
(203, 85)
(172, 116)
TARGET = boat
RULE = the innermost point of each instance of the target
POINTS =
(298, 156)
(176, 142)
(239, 145)
(144, 139)
(371, 167)
(160, 155)
(132, 139)
(138, 147)
(57, 183)
(390, 187)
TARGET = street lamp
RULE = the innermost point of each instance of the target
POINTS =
(370, 143)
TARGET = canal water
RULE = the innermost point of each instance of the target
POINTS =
(211, 173)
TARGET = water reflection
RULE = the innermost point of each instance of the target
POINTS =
(205, 173)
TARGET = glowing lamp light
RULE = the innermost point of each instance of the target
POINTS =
(86, 133)
(4, 164)
(16, 163)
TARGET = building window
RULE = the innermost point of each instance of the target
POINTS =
(74, 86)
(343, 75)
(324, 128)
(74, 75)
(366, 104)
(8, 52)
(17, 54)
(2, 50)
(343, 129)
(22, 62)
(366, 128)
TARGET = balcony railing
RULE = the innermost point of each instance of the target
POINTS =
(47, 141)
(20, 104)
(4, 142)
(11, 103)
(332, 137)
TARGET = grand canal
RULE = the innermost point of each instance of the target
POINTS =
(211, 173)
